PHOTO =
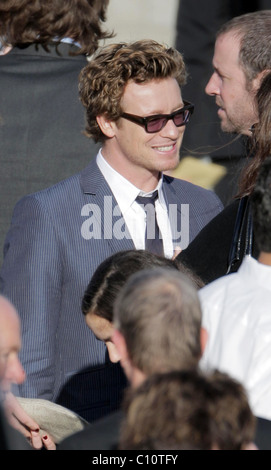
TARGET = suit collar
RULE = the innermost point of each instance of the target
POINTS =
(92, 180)
(61, 50)
(169, 190)
(178, 216)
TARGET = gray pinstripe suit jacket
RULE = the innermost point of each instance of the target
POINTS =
(47, 266)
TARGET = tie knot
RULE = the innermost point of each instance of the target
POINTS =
(147, 199)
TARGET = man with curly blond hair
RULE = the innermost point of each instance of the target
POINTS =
(134, 108)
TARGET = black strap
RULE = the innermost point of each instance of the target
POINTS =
(243, 227)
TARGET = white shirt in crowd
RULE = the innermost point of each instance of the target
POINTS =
(237, 316)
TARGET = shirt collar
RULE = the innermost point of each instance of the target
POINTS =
(158, 188)
(251, 268)
(68, 41)
(124, 191)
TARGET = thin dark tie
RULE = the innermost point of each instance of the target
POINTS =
(153, 240)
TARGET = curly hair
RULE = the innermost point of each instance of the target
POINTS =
(42, 22)
(102, 82)
(187, 410)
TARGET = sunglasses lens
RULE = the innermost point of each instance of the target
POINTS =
(181, 118)
(155, 125)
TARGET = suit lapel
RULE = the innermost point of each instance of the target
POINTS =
(99, 193)
(178, 213)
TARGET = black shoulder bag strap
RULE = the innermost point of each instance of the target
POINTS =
(243, 225)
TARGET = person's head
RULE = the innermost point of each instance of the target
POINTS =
(242, 56)
(144, 79)
(261, 208)
(11, 370)
(44, 22)
(187, 410)
(157, 316)
(106, 283)
(233, 422)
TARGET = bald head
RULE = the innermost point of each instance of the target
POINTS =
(11, 370)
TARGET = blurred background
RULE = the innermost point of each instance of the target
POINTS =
(138, 19)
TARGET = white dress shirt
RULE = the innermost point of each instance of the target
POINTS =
(133, 213)
(237, 316)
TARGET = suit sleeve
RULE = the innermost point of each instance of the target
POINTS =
(31, 279)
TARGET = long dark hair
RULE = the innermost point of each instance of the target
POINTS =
(261, 140)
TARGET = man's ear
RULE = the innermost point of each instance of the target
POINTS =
(257, 81)
(106, 125)
(203, 339)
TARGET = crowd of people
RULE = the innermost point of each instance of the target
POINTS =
(133, 305)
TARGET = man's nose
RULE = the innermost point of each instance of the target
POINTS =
(212, 88)
(14, 371)
(170, 130)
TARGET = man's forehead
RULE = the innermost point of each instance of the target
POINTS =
(226, 53)
(9, 321)
(228, 44)
(8, 312)
(152, 95)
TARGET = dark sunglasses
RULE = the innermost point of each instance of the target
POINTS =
(156, 122)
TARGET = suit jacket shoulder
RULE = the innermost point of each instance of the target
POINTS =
(190, 192)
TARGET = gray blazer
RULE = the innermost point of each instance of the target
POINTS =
(49, 261)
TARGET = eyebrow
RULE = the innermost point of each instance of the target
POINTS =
(220, 72)
(158, 113)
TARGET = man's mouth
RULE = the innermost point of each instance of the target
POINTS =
(220, 106)
(165, 148)
(221, 111)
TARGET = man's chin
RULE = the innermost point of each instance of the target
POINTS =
(229, 128)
